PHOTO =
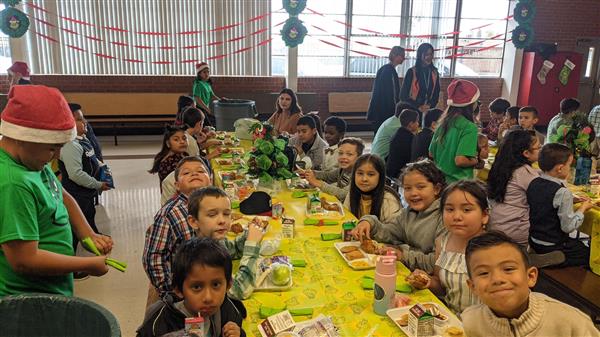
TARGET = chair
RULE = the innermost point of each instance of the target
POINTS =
(54, 315)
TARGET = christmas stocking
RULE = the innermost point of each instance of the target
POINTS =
(546, 67)
(566, 70)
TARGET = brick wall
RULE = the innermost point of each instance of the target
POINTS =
(564, 21)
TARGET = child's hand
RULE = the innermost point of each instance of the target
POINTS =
(104, 186)
(104, 243)
(362, 230)
(230, 329)
(397, 252)
(419, 279)
(309, 175)
(214, 153)
(255, 233)
(585, 206)
(97, 266)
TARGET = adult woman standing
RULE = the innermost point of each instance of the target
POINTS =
(287, 112)
(421, 84)
(386, 89)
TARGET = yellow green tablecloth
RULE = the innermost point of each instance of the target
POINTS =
(327, 284)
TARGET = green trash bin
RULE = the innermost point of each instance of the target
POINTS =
(54, 315)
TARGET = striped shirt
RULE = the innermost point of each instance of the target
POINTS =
(453, 276)
(169, 230)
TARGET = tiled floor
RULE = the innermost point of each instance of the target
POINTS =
(125, 213)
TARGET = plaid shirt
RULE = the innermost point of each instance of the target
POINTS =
(244, 280)
(491, 130)
(594, 118)
(169, 230)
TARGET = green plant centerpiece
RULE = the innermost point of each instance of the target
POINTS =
(267, 160)
(578, 135)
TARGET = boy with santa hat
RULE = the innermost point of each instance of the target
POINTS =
(36, 214)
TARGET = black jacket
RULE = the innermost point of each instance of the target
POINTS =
(163, 318)
(400, 152)
(386, 93)
(420, 145)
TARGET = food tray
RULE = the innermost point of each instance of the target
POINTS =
(267, 285)
(368, 262)
(440, 326)
(227, 176)
(229, 151)
(325, 214)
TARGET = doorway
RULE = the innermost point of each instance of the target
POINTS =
(589, 84)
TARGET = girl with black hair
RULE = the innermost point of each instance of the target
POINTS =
(173, 149)
(183, 102)
(368, 193)
(421, 84)
(508, 181)
(203, 91)
(413, 229)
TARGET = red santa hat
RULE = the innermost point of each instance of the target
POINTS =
(21, 68)
(462, 93)
(201, 66)
(37, 114)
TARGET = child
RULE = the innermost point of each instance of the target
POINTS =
(36, 214)
(387, 130)
(287, 113)
(89, 132)
(337, 181)
(79, 168)
(173, 149)
(209, 213)
(203, 92)
(309, 145)
(551, 208)
(507, 184)
(413, 229)
(368, 193)
(197, 137)
(170, 227)
(400, 146)
(483, 150)
(201, 277)
(501, 276)
(454, 143)
(528, 118)
(19, 74)
(422, 140)
(497, 110)
(334, 131)
(511, 118)
(568, 107)
(183, 102)
(465, 216)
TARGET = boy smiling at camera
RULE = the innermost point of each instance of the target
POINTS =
(500, 275)
(201, 276)
(209, 212)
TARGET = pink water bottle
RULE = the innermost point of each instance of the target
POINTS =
(385, 283)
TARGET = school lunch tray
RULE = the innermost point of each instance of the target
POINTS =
(439, 325)
(368, 262)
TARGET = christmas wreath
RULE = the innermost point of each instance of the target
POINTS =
(524, 12)
(10, 3)
(13, 22)
(268, 161)
(294, 7)
(293, 32)
(522, 36)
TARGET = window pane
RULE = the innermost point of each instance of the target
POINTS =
(320, 66)
(466, 67)
(385, 24)
(486, 9)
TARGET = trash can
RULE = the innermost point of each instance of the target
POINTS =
(54, 315)
(228, 111)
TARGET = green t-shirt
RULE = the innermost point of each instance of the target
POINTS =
(383, 137)
(459, 140)
(32, 209)
(203, 90)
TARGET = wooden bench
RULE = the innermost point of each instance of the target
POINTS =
(116, 111)
(580, 284)
(352, 107)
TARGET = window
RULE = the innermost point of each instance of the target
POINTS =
(163, 38)
(468, 36)
(5, 58)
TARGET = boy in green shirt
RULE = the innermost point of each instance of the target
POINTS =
(454, 144)
(36, 214)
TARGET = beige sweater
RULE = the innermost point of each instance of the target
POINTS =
(545, 317)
